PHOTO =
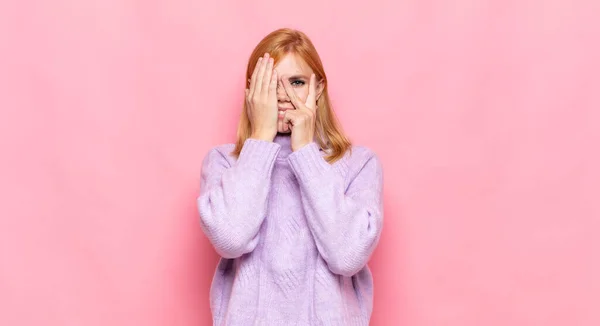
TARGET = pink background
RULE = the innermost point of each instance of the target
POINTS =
(486, 115)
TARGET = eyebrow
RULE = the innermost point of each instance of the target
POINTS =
(297, 77)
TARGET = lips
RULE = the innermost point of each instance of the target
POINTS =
(281, 112)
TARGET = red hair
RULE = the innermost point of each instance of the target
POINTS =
(329, 134)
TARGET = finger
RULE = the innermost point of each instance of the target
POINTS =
(280, 124)
(286, 127)
(312, 91)
(273, 85)
(267, 78)
(261, 74)
(247, 102)
(291, 93)
(253, 78)
(289, 117)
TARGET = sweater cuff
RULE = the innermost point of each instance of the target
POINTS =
(258, 155)
(308, 162)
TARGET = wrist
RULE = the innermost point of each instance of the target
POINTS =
(266, 136)
(299, 145)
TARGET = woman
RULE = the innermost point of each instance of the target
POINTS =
(293, 209)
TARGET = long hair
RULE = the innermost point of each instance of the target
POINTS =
(328, 132)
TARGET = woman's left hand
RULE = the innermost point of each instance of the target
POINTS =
(302, 120)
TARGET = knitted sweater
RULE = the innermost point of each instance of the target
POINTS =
(294, 233)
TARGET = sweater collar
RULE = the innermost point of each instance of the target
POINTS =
(285, 141)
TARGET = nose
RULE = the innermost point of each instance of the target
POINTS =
(281, 94)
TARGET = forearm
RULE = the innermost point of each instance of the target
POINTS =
(346, 226)
(232, 205)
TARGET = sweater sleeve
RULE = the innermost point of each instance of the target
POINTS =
(233, 197)
(346, 223)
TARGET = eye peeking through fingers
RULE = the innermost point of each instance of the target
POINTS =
(297, 82)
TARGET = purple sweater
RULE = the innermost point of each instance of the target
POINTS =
(294, 232)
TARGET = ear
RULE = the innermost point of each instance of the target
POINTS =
(320, 88)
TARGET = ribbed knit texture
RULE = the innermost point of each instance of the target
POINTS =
(294, 232)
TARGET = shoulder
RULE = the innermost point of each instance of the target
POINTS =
(360, 155)
(358, 159)
(361, 152)
(220, 154)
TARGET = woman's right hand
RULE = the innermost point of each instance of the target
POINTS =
(261, 100)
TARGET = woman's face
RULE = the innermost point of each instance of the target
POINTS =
(294, 69)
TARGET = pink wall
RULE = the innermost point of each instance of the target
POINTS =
(486, 115)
